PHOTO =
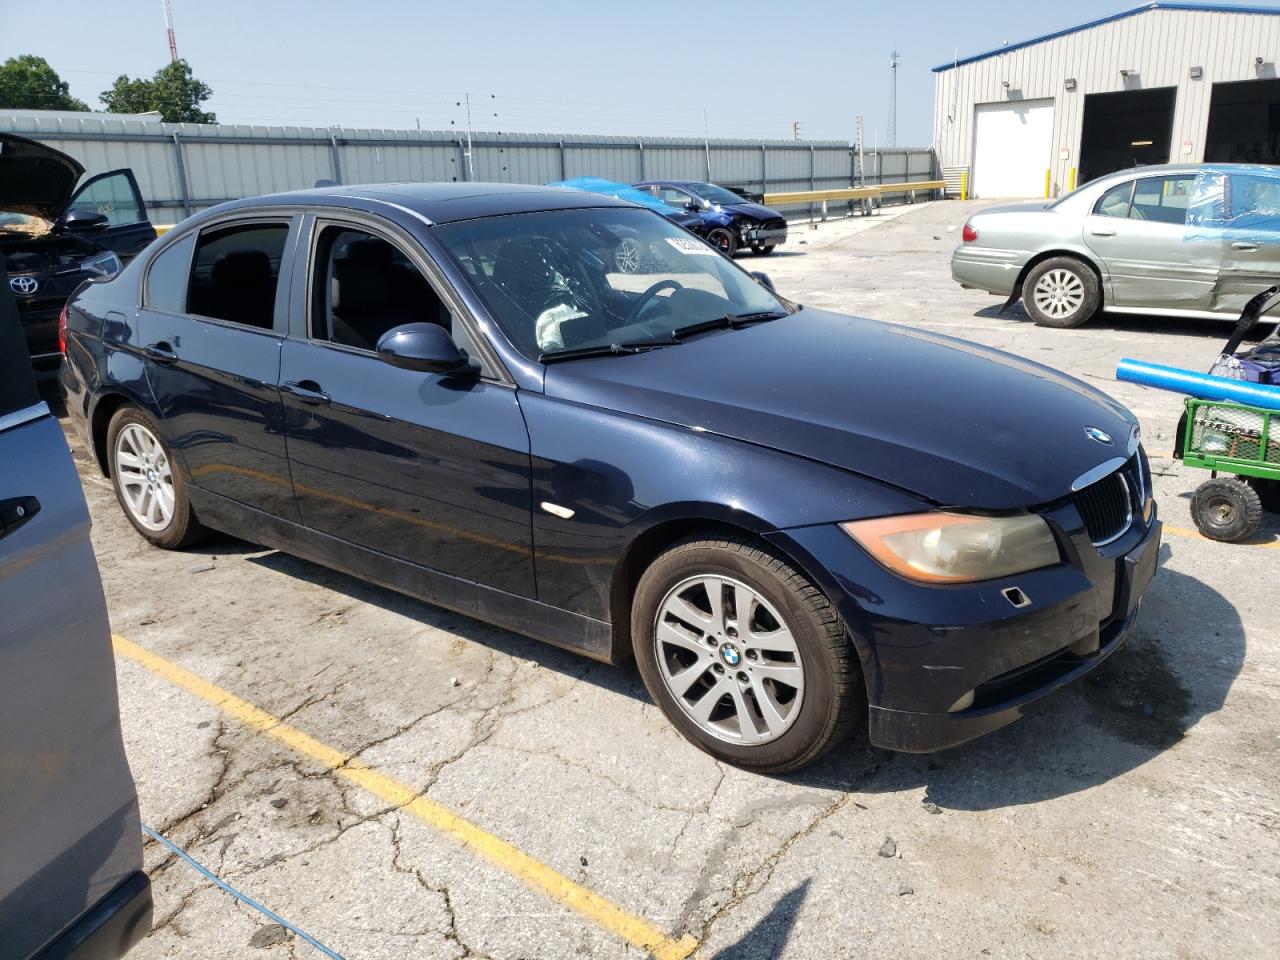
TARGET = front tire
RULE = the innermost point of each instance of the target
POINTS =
(745, 657)
(1061, 292)
(150, 487)
(1226, 510)
(723, 240)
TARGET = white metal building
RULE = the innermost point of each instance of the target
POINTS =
(1160, 83)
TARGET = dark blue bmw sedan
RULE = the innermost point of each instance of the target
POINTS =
(797, 522)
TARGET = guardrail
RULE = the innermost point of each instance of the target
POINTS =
(851, 194)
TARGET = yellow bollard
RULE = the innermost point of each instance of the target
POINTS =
(1047, 175)
(1072, 180)
(964, 185)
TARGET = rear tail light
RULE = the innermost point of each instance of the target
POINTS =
(969, 235)
(62, 331)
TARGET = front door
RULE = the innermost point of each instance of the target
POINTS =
(424, 467)
(1138, 229)
(116, 196)
(213, 321)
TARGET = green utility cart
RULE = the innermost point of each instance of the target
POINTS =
(1243, 441)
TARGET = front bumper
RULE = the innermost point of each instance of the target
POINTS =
(767, 237)
(925, 649)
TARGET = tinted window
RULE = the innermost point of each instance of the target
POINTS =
(235, 271)
(1162, 199)
(365, 286)
(112, 196)
(1115, 202)
(167, 278)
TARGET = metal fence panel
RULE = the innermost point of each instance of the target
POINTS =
(183, 168)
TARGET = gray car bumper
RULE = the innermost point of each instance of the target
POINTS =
(984, 268)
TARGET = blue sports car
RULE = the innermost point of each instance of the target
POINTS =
(798, 523)
(729, 221)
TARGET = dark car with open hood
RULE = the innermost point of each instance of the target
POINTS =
(54, 237)
(798, 523)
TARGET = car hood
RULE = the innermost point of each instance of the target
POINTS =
(754, 211)
(954, 422)
(35, 179)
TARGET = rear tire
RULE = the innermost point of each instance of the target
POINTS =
(1061, 292)
(148, 483)
(1226, 510)
(1268, 493)
(791, 649)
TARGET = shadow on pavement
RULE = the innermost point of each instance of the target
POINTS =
(767, 938)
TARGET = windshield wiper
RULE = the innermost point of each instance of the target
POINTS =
(604, 350)
(729, 320)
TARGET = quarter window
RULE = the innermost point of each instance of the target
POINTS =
(235, 272)
(1115, 202)
(167, 277)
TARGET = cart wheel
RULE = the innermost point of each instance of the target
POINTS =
(1226, 510)
(1268, 493)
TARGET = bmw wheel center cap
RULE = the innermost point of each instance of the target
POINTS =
(730, 655)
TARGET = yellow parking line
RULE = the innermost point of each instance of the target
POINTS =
(536, 875)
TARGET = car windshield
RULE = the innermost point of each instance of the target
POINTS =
(592, 280)
(714, 194)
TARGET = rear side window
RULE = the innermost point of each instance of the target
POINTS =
(1162, 199)
(167, 278)
(235, 272)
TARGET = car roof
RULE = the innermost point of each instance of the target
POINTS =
(675, 183)
(439, 202)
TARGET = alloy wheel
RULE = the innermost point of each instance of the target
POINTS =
(1059, 293)
(729, 660)
(144, 476)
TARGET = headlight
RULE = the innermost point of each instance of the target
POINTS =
(943, 547)
(102, 264)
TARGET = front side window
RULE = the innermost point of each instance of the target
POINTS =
(364, 286)
(673, 197)
(235, 272)
(112, 196)
(552, 280)
(714, 194)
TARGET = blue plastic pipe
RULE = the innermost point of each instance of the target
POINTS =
(1199, 384)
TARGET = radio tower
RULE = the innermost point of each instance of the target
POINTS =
(892, 139)
(168, 29)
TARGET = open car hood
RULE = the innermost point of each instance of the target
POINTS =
(35, 179)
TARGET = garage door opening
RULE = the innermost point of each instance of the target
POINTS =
(1012, 142)
(1244, 122)
(1126, 129)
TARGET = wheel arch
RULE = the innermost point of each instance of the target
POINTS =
(1044, 255)
(100, 421)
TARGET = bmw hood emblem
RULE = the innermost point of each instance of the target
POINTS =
(24, 286)
(1101, 436)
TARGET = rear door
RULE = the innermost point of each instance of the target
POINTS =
(69, 831)
(1138, 229)
(213, 319)
(116, 196)
(1250, 239)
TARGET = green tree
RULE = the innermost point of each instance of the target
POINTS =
(173, 91)
(29, 83)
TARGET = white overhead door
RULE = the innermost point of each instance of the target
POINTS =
(1012, 143)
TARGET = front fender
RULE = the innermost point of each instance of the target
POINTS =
(622, 476)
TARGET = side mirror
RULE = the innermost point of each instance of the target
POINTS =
(762, 278)
(693, 205)
(423, 346)
(83, 220)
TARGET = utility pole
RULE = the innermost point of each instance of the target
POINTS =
(471, 166)
(892, 139)
(862, 170)
(168, 28)
(795, 129)
(706, 142)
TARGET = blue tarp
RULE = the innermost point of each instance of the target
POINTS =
(1244, 208)
(609, 188)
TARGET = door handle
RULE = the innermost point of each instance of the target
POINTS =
(160, 352)
(14, 513)
(1103, 233)
(307, 391)
(1244, 245)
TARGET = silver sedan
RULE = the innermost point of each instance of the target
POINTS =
(1179, 240)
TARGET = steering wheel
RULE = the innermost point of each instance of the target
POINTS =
(653, 291)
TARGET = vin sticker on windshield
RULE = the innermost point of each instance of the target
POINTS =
(692, 247)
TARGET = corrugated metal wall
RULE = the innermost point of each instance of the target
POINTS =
(183, 168)
(1161, 44)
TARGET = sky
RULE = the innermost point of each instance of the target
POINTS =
(727, 68)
